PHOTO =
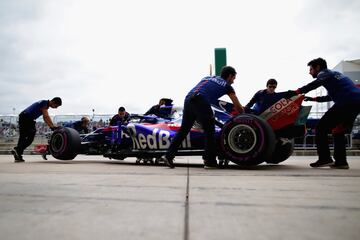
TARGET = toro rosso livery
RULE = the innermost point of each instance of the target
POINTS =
(244, 139)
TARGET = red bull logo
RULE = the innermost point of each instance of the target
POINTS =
(156, 139)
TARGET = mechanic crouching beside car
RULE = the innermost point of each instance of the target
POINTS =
(121, 118)
(81, 126)
(197, 106)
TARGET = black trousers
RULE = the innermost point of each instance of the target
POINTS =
(27, 132)
(344, 115)
(196, 108)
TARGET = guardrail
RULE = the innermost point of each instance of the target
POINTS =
(308, 142)
(9, 124)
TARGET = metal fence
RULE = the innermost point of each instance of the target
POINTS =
(9, 124)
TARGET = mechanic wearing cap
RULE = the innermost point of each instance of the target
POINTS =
(346, 97)
(82, 126)
(27, 124)
(197, 107)
(121, 118)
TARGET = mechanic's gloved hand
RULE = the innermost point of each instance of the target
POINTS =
(306, 98)
(290, 94)
(54, 128)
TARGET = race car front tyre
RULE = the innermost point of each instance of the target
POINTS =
(283, 150)
(65, 143)
(247, 140)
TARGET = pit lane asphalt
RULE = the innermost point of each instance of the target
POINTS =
(95, 198)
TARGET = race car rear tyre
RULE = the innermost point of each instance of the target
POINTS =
(65, 143)
(247, 140)
(283, 150)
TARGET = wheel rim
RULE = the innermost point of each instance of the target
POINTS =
(242, 139)
(57, 143)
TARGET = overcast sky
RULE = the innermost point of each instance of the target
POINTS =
(105, 54)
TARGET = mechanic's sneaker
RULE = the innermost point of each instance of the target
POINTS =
(322, 163)
(284, 141)
(19, 160)
(44, 156)
(210, 165)
(168, 162)
(17, 156)
(340, 166)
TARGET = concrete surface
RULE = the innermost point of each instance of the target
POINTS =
(94, 198)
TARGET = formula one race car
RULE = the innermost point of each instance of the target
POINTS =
(244, 139)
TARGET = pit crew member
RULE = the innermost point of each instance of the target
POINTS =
(197, 107)
(27, 123)
(121, 118)
(346, 97)
(82, 126)
(263, 99)
(162, 109)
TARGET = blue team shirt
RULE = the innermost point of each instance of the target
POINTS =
(262, 100)
(212, 88)
(116, 119)
(340, 88)
(78, 126)
(35, 109)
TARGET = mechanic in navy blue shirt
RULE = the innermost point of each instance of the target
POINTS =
(197, 107)
(81, 126)
(27, 124)
(121, 118)
(346, 97)
(162, 109)
(263, 99)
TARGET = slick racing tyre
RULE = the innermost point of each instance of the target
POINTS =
(247, 140)
(283, 150)
(65, 143)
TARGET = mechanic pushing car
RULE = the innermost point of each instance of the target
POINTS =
(263, 98)
(27, 124)
(346, 97)
(81, 126)
(197, 107)
(162, 109)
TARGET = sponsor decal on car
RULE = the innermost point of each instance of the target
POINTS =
(156, 139)
(283, 112)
